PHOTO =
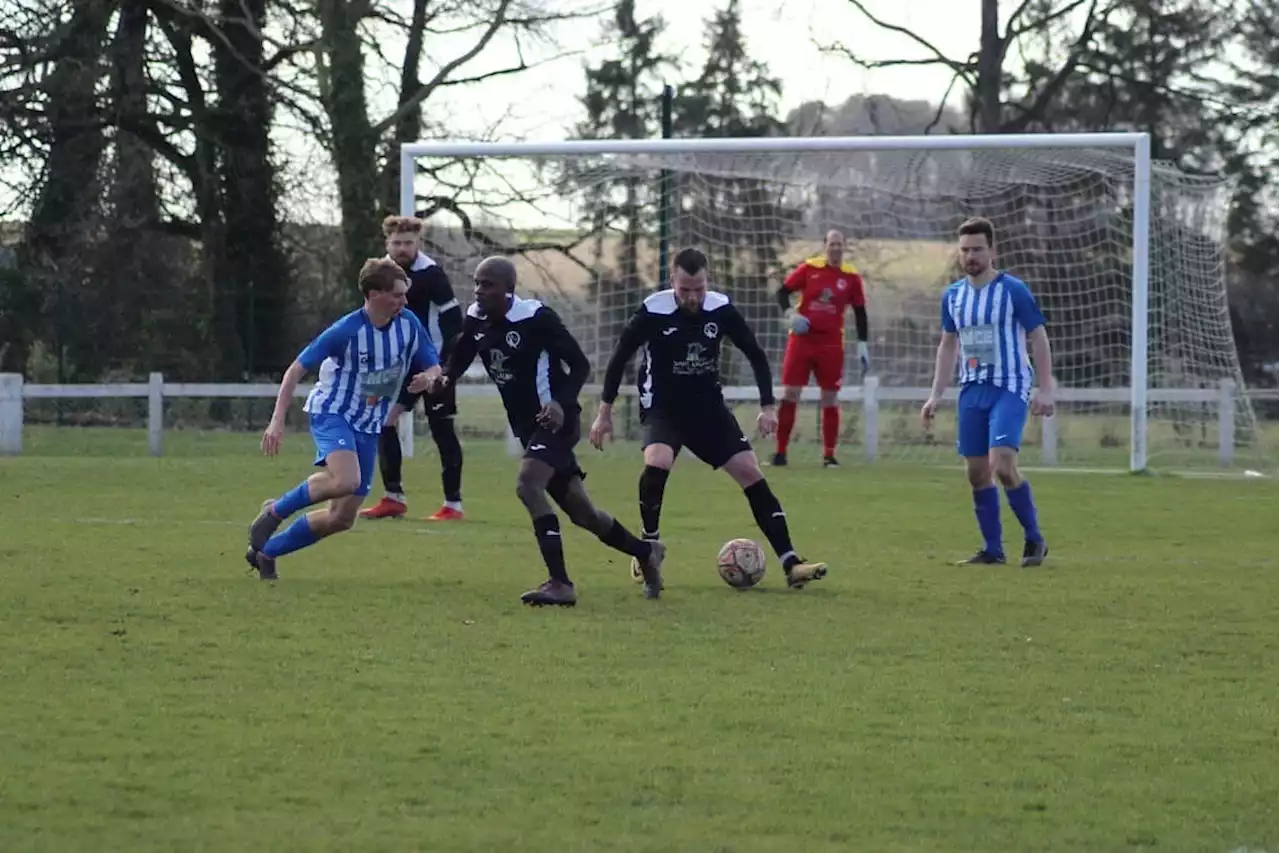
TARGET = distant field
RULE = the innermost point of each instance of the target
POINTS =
(890, 266)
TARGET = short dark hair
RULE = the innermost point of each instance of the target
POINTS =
(691, 260)
(978, 225)
(380, 274)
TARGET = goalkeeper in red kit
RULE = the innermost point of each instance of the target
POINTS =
(827, 287)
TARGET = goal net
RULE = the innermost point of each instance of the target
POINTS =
(587, 227)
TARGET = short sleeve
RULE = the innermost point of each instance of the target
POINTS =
(948, 322)
(329, 344)
(858, 293)
(795, 279)
(1025, 309)
(439, 289)
(424, 352)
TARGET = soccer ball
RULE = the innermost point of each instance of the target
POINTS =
(741, 563)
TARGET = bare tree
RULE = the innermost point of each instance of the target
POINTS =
(992, 108)
(368, 183)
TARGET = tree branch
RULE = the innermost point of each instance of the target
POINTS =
(502, 72)
(939, 56)
(287, 51)
(499, 18)
(1050, 89)
(841, 50)
(942, 104)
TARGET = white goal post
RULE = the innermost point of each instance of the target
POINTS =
(862, 185)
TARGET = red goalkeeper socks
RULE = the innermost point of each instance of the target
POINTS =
(830, 429)
(786, 423)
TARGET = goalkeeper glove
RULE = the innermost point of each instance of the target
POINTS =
(798, 322)
(863, 357)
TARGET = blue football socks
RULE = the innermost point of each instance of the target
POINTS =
(299, 497)
(986, 506)
(295, 537)
(1025, 509)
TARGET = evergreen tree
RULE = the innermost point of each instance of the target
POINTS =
(623, 101)
(741, 223)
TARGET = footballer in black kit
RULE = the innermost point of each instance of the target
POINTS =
(431, 298)
(680, 332)
(540, 369)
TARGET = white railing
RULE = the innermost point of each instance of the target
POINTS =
(14, 391)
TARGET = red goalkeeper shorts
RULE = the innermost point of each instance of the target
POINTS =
(806, 355)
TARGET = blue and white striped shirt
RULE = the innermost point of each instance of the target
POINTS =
(992, 323)
(363, 367)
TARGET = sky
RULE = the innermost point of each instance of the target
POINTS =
(542, 103)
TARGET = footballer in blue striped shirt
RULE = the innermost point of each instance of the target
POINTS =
(363, 360)
(992, 322)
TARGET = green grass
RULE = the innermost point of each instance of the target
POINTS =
(389, 693)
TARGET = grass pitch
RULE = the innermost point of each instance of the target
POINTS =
(390, 693)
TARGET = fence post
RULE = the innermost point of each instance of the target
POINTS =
(10, 414)
(1226, 422)
(155, 414)
(870, 416)
(1049, 440)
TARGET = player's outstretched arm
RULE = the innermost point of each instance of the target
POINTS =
(944, 364)
(462, 353)
(440, 292)
(634, 334)
(563, 345)
(273, 436)
(424, 361)
(863, 327)
(424, 353)
(745, 340)
(1028, 315)
(331, 343)
(1042, 361)
(783, 298)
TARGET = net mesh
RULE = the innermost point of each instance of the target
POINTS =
(585, 231)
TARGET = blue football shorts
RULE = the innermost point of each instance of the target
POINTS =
(332, 433)
(989, 416)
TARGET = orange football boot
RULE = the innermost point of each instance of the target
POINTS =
(446, 513)
(385, 508)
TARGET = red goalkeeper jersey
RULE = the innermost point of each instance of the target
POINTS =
(825, 293)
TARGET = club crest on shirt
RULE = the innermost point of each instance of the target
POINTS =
(513, 339)
(498, 370)
(380, 385)
(711, 330)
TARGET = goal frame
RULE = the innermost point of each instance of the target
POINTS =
(1139, 144)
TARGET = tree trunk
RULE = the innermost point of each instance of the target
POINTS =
(354, 152)
(255, 266)
(56, 233)
(409, 127)
(987, 90)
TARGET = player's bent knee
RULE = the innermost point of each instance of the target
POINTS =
(744, 468)
(791, 394)
(978, 469)
(1004, 465)
(659, 456)
(530, 490)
